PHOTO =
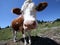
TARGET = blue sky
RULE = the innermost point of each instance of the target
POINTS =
(51, 13)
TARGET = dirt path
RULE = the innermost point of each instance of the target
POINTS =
(3, 42)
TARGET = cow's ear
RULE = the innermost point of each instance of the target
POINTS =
(41, 6)
(16, 11)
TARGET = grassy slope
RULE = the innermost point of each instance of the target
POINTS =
(6, 34)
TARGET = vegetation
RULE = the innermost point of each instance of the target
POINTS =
(57, 20)
(7, 27)
(5, 34)
(0, 28)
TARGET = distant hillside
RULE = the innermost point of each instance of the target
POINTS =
(48, 21)
(57, 20)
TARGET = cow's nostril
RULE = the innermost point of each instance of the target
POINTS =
(34, 23)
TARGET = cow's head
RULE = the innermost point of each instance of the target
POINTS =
(40, 7)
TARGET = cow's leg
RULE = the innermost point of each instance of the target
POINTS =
(29, 36)
(14, 35)
(24, 36)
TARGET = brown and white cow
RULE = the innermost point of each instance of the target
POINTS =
(27, 18)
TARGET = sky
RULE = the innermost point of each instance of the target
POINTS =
(52, 12)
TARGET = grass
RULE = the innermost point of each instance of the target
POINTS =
(6, 34)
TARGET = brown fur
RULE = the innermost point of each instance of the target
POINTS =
(17, 24)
